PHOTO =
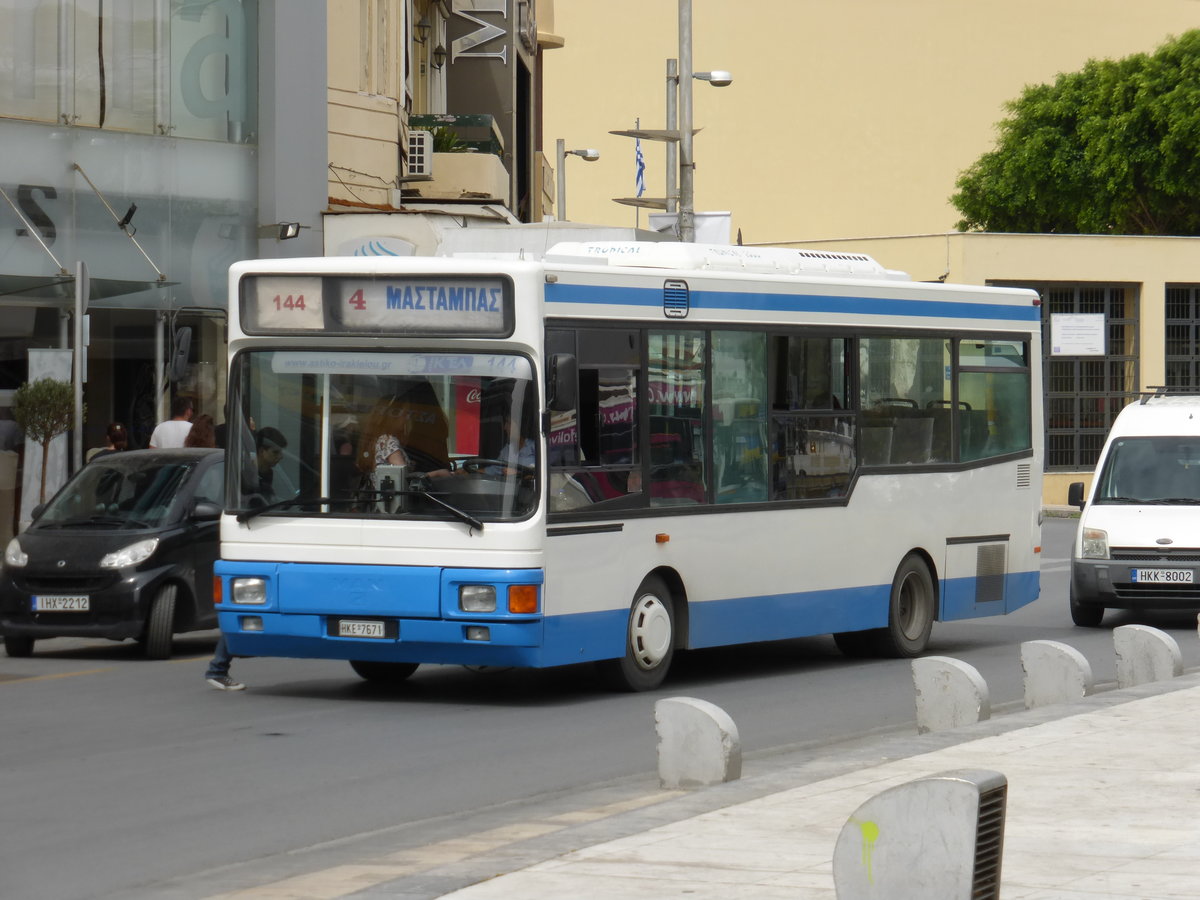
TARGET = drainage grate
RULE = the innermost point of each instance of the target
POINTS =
(989, 844)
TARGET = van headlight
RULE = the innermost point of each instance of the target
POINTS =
(132, 555)
(14, 556)
(1095, 544)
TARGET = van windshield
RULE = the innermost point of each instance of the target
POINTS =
(1159, 469)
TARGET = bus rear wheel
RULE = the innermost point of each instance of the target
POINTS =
(911, 610)
(649, 641)
(382, 672)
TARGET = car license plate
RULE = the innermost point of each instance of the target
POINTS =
(1162, 576)
(71, 603)
(360, 628)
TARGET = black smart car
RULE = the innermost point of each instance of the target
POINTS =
(124, 550)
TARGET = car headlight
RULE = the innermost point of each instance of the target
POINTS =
(14, 556)
(132, 555)
(1095, 544)
(252, 591)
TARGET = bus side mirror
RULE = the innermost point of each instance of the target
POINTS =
(562, 382)
(1075, 494)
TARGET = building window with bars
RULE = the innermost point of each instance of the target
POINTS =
(1183, 336)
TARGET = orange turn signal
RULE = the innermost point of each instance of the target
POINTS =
(522, 598)
(217, 590)
(661, 538)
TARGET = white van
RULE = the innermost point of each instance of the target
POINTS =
(1138, 543)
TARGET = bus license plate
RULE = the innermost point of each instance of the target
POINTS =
(71, 603)
(1162, 576)
(360, 629)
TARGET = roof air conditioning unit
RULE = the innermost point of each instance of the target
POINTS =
(420, 152)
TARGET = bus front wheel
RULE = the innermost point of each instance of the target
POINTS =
(649, 641)
(911, 610)
(382, 672)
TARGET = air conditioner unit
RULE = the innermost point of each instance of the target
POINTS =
(420, 152)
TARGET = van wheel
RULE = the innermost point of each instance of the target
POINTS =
(18, 645)
(1085, 615)
(160, 624)
(649, 641)
(382, 672)
(911, 610)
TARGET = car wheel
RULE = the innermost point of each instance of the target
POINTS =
(18, 645)
(160, 624)
(649, 642)
(911, 611)
(383, 672)
(1085, 615)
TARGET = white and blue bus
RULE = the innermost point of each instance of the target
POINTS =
(618, 452)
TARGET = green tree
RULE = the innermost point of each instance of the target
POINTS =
(44, 409)
(1110, 149)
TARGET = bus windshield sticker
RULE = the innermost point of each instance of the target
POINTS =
(352, 363)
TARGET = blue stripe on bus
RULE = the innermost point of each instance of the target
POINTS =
(810, 303)
(584, 637)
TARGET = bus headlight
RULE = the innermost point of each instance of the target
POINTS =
(477, 598)
(1095, 544)
(248, 591)
(132, 555)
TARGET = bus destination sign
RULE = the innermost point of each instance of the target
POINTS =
(377, 305)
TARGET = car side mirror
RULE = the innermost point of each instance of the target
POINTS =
(1075, 494)
(562, 381)
(37, 511)
(206, 511)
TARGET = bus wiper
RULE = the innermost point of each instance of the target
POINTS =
(463, 517)
(247, 514)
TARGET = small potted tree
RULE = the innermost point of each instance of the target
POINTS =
(44, 409)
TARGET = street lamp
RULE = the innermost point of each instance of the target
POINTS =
(678, 132)
(587, 155)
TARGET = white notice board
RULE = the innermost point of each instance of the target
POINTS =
(1077, 334)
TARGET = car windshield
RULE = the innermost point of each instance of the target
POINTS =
(1160, 469)
(377, 435)
(118, 491)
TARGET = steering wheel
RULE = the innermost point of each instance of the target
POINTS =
(473, 465)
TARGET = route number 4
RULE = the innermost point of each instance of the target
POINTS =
(357, 300)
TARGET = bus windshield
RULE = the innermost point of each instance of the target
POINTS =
(383, 435)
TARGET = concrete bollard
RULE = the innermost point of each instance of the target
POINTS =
(950, 694)
(1054, 673)
(698, 744)
(938, 837)
(1145, 654)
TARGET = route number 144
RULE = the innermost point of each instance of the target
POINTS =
(289, 302)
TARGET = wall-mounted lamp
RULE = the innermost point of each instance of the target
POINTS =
(437, 59)
(422, 29)
(281, 231)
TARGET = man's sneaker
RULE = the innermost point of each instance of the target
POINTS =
(225, 683)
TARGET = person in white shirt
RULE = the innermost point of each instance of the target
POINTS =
(174, 430)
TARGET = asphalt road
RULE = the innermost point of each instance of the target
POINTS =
(124, 777)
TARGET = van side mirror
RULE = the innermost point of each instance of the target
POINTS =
(562, 382)
(206, 511)
(1075, 494)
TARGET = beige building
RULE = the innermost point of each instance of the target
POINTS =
(847, 126)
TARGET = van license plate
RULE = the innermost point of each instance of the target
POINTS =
(72, 603)
(359, 628)
(1162, 576)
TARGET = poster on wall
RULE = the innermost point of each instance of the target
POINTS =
(1077, 334)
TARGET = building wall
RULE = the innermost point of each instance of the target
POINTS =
(844, 119)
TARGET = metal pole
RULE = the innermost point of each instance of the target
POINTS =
(672, 124)
(82, 289)
(687, 165)
(560, 146)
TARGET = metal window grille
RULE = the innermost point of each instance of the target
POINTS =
(1083, 394)
(1183, 336)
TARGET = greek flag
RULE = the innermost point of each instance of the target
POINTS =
(639, 163)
